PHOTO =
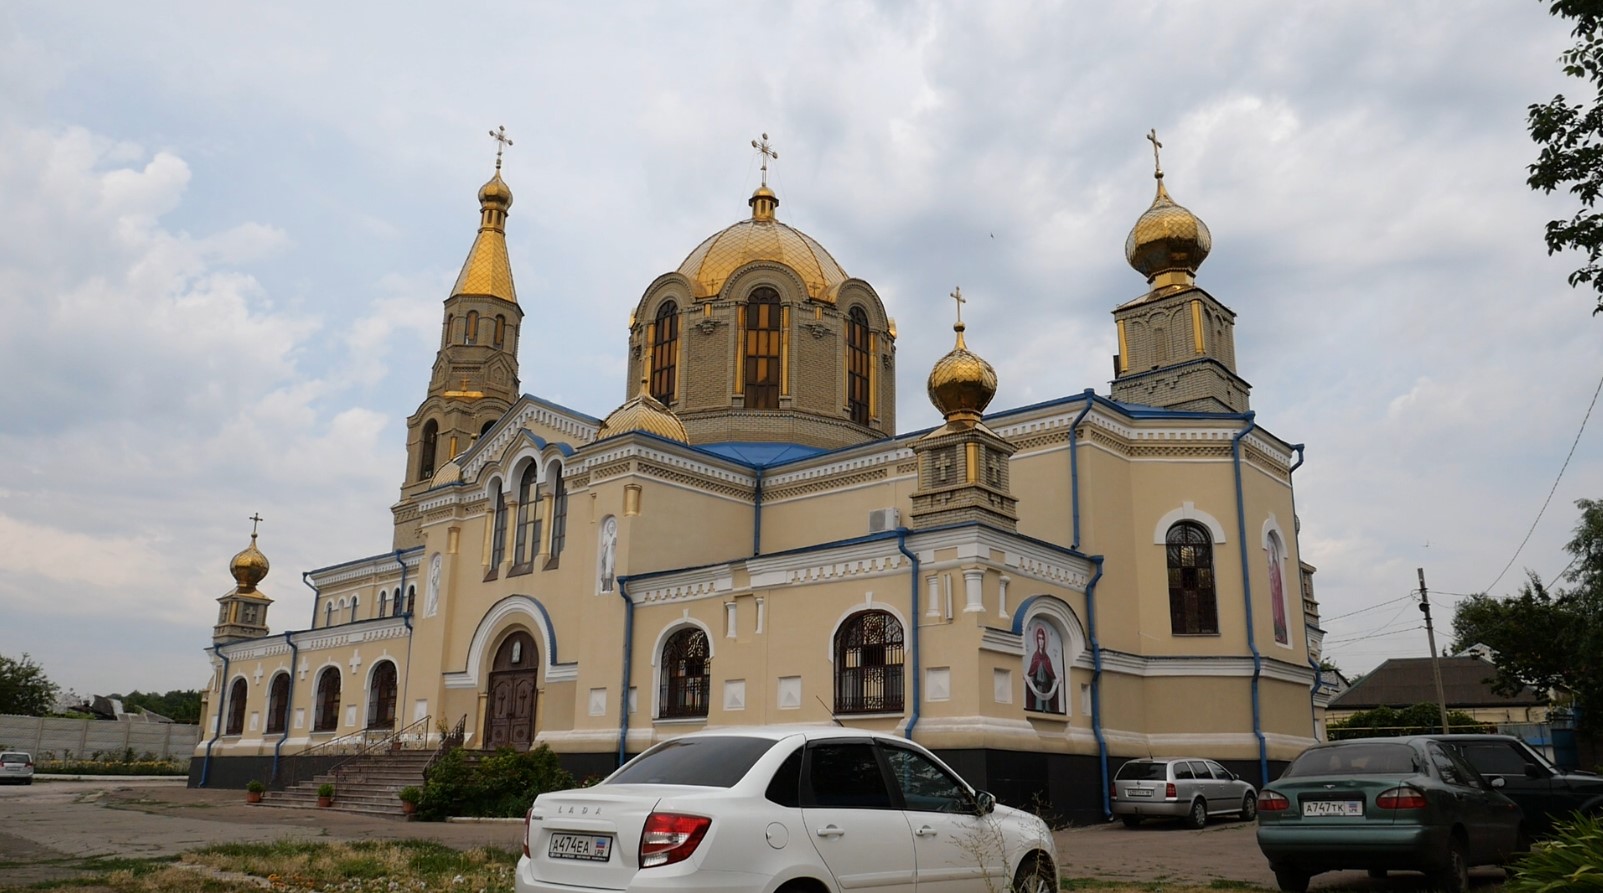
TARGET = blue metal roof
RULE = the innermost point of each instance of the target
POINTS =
(758, 455)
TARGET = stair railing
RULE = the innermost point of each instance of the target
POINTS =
(335, 752)
(449, 741)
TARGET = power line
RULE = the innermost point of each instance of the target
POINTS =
(1374, 635)
(1364, 610)
(1550, 493)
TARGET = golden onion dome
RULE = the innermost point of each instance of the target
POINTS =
(962, 384)
(496, 193)
(761, 238)
(1167, 239)
(249, 567)
(644, 413)
(449, 473)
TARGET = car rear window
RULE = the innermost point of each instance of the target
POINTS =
(1142, 770)
(13, 758)
(1354, 759)
(714, 762)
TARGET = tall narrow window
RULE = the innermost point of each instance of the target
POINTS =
(426, 449)
(664, 352)
(684, 674)
(326, 717)
(383, 603)
(762, 337)
(868, 664)
(278, 704)
(355, 600)
(1193, 602)
(236, 708)
(527, 541)
(411, 598)
(498, 542)
(559, 515)
(328, 613)
(471, 336)
(500, 330)
(857, 365)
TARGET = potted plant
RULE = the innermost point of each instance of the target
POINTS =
(253, 791)
(325, 794)
(410, 795)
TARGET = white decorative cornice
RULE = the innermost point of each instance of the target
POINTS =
(694, 464)
(375, 569)
(865, 559)
(1021, 556)
(1191, 666)
(888, 453)
(516, 419)
(688, 586)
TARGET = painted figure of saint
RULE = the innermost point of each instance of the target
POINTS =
(1043, 676)
(608, 556)
(1277, 592)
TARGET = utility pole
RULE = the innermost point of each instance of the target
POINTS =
(1435, 666)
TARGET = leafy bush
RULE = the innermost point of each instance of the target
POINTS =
(501, 785)
(1572, 859)
(1385, 722)
(48, 765)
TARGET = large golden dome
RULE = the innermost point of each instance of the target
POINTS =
(962, 383)
(1167, 238)
(249, 567)
(761, 237)
(644, 413)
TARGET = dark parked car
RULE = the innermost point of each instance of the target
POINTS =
(1543, 792)
(1379, 804)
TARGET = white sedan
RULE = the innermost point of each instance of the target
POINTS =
(799, 810)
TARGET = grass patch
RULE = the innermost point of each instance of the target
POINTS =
(107, 864)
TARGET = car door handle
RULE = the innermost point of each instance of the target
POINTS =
(925, 831)
(830, 831)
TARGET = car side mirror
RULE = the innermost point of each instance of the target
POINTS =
(984, 803)
(1496, 781)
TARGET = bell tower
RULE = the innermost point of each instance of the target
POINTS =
(242, 611)
(475, 377)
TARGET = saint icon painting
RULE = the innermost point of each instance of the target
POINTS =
(1043, 668)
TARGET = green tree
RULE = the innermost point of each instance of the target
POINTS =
(1571, 140)
(1389, 722)
(1545, 637)
(177, 705)
(24, 688)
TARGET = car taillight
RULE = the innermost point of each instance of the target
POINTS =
(527, 813)
(1401, 798)
(1113, 791)
(669, 837)
(1269, 801)
(1169, 791)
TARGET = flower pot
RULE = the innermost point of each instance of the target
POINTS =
(408, 807)
(253, 796)
(325, 801)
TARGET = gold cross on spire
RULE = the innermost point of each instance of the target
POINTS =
(255, 518)
(767, 153)
(503, 141)
(957, 295)
(1157, 165)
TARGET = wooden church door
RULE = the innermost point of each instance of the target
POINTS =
(509, 712)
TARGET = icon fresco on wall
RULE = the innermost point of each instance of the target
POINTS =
(1277, 591)
(1043, 668)
(607, 555)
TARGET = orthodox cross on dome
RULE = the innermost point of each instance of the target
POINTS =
(1157, 165)
(957, 295)
(502, 142)
(255, 518)
(767, 153)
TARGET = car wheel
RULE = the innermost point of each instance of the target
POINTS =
(1249, 808)
(1130, 821)
(1453, 875)
(1292, 880)
(1035, 875)
(1198, 816)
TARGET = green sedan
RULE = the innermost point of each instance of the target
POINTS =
(1382, 804)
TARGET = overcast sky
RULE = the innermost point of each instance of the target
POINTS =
(226, 230)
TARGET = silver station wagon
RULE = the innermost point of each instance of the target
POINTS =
(1189, 788)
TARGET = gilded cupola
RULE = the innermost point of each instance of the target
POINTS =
(249, 567)
(761, 237)
(1168, 243)
(962, 383)
(242, 611)
(488, 271)
(643, 413)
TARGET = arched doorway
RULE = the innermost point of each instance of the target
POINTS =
(381, 697)
(509, 710)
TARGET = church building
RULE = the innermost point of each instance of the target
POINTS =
(1034, 593)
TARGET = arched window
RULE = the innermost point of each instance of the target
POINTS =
(1193, 603)
(355, 600)
(381, 697)
(326, 717)
(761, 342)
(664, 352)
(858, 365)
(471, 336)
(383, 603)
(1045, 671)
(527, 541)
(328, 613)
(236, 708)
(426, 450)
(450, 326)
(485, 428)
(498, 539)
(500, 330)
(411, 597)
(868, 664)
(684, 674)
(278, 704)
(559, 514)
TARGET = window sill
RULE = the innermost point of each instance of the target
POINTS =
(1195, 635)
(680, 721)
(1048, 717)
(880, 715)
(519, 570)
(493, 574)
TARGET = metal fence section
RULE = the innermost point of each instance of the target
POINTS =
(61, 738)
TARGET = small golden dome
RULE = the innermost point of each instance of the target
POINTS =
(496, 193)
(1167, 239)
(449, 473)
(644, 413)
(962, 384)
(761, 237)
(249, 567)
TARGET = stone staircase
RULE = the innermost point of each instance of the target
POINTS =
(366, 784)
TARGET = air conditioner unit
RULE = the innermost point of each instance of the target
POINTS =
(881, 520)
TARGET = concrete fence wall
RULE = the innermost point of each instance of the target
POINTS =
(83, 738)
